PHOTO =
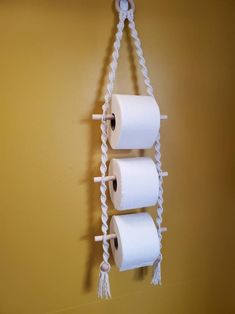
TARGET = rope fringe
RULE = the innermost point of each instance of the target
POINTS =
(103, 285)
(156, 280)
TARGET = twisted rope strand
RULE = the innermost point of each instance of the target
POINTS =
(156, 279)
(139, 52)
(157, 265)
(103, 284)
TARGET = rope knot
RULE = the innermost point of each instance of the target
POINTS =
(105, 267)
(122, 15)
(130, 14)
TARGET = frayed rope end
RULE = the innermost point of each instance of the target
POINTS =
(156, 279)
(103, 285)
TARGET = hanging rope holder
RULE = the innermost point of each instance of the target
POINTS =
(125, 9)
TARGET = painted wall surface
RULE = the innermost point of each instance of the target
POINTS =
(53, 60)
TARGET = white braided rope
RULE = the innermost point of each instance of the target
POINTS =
(103, 285)
(157, 265)
(139, 52)
(156, 279)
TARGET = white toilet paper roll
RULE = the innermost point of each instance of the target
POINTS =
(137, 242)
(136, 124)
(136, 184)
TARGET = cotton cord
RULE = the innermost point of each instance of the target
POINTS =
(156, 279)
(103, 283)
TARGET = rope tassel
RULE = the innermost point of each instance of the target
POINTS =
(103, 283)
(156, 279)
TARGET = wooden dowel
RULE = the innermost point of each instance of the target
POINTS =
(112, 178)
(99, 117)
(114, 236)
(109, 237)
(111, 117)
(107, 178)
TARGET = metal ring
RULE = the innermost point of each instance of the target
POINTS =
(130, 2)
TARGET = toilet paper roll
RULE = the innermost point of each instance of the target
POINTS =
(137, 243)
(136, 124)
(136, 184)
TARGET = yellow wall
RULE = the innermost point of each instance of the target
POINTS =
(53, 60)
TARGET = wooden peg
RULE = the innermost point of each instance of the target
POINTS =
(112, 178)
(107, 178)
(114, 236)
(106, 117)
(111, 117)
(108, 237)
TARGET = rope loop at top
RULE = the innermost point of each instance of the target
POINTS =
(123, 5)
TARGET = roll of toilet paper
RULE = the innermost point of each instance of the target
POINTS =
(137, 242)
(136, 124)
(136, 184)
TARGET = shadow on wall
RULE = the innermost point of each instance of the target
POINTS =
(94, 257)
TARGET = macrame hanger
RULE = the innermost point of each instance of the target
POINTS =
(125, 9)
